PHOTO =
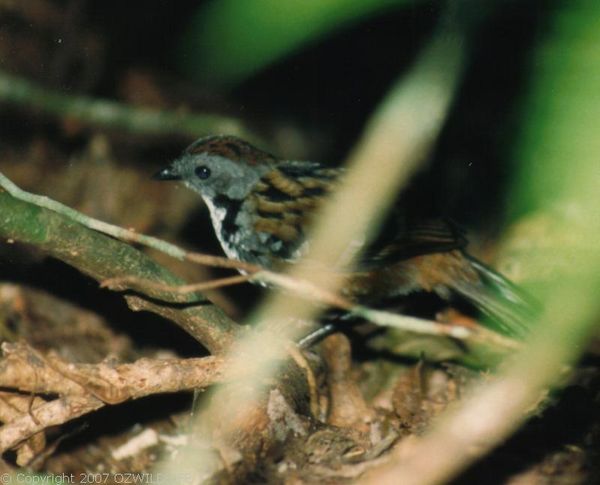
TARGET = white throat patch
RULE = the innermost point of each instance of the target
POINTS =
(217, 216)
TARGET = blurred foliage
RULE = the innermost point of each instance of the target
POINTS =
(99, 112)
(558, 152)
(229, 40)
(558, 180)
(554, 198)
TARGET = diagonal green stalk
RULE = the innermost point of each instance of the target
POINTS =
(103, 257)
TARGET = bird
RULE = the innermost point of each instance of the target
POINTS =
(261, 208)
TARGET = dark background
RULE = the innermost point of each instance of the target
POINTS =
(325, 91)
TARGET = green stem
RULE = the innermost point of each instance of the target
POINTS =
(103, 257)
(95, 224)
(114, 115)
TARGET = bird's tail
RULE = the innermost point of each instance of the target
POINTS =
(509, 307)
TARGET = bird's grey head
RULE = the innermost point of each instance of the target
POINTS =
(219, 166)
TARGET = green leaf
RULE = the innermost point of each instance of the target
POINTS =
(229, 40)
(558, 181)
(559, 151)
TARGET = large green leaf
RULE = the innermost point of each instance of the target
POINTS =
(559, 150)
(228, 40)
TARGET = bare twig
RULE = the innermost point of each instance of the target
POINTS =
(87, 387)
(12, 407)
(89, 222)
(142, 285)
(120, 232)
(303, 287)
(52, 413)
(114, 115)
(312, 292)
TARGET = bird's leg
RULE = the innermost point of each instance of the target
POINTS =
(317, 335)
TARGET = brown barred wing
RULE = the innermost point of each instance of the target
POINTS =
(286, 199)
(402, 238)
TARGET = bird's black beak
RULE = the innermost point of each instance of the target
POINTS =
(167, 173)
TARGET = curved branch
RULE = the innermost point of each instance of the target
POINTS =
(103, 257)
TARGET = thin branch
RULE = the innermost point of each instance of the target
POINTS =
(312, 292)
(103, 257)
(89, 222)
(305, 288)
(113, 115)
(119, 232)
(495, 409)
(138, 284)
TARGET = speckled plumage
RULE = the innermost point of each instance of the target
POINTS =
(261, 207)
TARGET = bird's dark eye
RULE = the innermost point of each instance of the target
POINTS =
(202, 172)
